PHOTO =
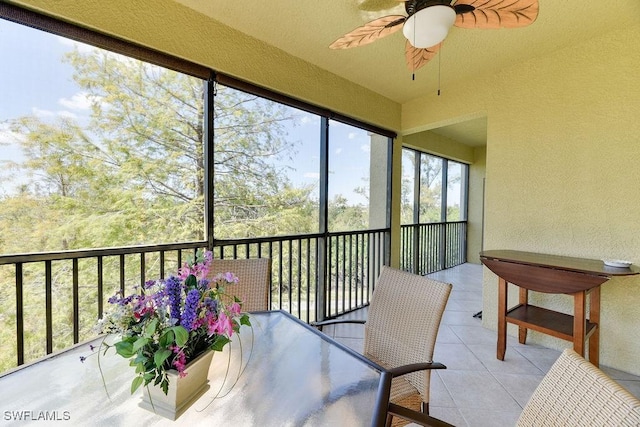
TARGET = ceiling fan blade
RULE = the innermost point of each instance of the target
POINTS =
(370, 32)
(497, 13)
(416, 57)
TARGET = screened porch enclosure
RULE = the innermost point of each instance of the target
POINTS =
(125, 162)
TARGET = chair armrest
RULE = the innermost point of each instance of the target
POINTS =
(319, 325)
(416, 417)
(406, 369)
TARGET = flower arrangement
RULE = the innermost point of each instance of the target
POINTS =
(170, 322)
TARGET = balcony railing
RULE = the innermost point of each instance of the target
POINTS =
(59, 295)
(426, 248)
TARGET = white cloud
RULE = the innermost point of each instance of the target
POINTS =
(66, 115)
(79, 101)
(9, 137)
(366, 148)
(309, 120)
(339, 150)
(353, 135)
(43, 114)
(312, 175)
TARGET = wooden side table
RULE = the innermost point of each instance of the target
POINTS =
(554, 274)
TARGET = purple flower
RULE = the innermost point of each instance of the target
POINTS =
(174, 291)
(203, 284)
(210, 304)
(121, 301)
(190, 308)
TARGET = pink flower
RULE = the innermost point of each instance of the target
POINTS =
(180, 362)
(235, 309)
(224, 325)
(230, 277)
(184, 271)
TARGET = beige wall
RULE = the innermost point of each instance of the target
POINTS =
(562, 174)
(475, 219)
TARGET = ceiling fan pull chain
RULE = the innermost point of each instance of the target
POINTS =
(413, 63)
(439, 60)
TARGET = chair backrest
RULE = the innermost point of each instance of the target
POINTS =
(576, 393)
(403, 320)
(254, 276)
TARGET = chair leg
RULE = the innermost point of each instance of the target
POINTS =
(389, 420)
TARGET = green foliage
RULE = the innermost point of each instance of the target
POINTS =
(132, 172)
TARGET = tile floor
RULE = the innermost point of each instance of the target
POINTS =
(476, 389)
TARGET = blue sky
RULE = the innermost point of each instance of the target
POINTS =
(30, 85)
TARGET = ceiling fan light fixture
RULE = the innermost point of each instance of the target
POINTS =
(429, 26)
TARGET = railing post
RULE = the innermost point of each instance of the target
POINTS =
(416, 236)
(19, 316)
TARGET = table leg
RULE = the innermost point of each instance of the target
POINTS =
(594, 317)
(502, 318)
(522, 331)
(579, 322)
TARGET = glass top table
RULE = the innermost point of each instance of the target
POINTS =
(291, 375)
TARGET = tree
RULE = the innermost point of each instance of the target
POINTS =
(429, 203)
(137, 167)
(132, 172)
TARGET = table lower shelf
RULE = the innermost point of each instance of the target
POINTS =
(546, 321)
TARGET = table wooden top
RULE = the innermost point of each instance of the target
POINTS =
(580, 265)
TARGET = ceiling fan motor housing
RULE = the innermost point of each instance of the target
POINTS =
(428, 22)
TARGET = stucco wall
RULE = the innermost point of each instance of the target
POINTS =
(477, 173)
(562, 171)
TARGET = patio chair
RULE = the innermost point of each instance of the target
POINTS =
(400, 335)
(254, 276)
(576, 393)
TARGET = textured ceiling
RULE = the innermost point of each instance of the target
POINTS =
(305, 28)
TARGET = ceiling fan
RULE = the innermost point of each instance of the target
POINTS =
(428, 22)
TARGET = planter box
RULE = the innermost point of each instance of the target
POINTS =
(182, 391)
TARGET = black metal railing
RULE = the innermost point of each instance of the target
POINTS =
(59, 295)
(346, 267)
(426, 248)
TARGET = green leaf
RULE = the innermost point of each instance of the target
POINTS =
(137, 382)
(182, 335)
(167, 338)
(125, 349)
(160, 356)
(244, 320)
(140, 368)
(219, 343)
(190, 282)
(140, 358)
(140, 342)
(151, 328)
